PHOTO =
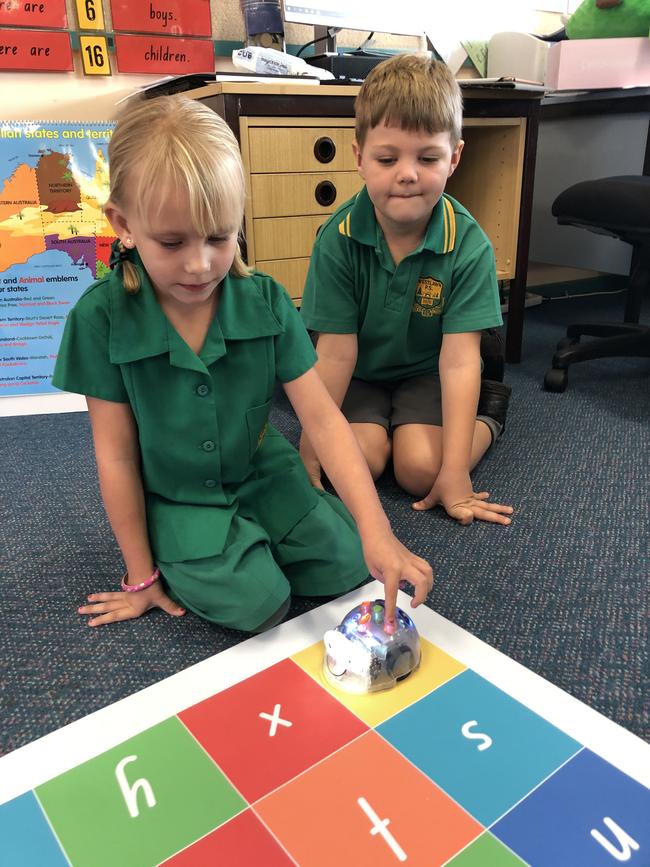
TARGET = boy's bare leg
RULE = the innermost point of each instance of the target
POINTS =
(375, 445)
(417, 454)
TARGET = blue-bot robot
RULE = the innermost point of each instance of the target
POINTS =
(364, 655)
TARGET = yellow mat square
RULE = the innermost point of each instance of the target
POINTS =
(436, 667)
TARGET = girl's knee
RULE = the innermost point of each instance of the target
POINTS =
(275, 618)
(243, 588)
(322, 555)
(244, 615)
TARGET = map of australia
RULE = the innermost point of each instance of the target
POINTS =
(54, 240)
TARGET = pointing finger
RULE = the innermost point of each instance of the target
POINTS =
(390, 597)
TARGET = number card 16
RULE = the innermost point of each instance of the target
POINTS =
(94, 55)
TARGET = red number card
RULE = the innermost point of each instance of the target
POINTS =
(43, 13)
(171, 17)
(143, 54)
(35, 49)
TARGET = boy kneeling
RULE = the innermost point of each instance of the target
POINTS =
(402, 280)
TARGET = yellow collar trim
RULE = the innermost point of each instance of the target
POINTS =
(449, 223)
(448, 220)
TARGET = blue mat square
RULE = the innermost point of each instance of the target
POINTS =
(481, 746)
(26, 837)
(554, 824)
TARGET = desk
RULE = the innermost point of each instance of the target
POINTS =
(296, 145)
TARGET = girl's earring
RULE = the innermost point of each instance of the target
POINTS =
(128, 242)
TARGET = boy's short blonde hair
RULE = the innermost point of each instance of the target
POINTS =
(174, 143)
(413, 92)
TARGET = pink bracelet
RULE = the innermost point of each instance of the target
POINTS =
(135, 588)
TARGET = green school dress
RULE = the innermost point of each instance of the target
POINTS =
(225, 492)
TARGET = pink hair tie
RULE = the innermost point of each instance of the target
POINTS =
(135, 588)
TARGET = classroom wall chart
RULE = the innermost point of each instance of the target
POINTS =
(54, 240)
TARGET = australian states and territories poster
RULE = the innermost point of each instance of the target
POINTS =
(54, 240)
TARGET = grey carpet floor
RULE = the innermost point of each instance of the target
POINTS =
(564, 590)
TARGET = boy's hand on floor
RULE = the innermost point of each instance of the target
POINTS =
(393, 564)
(476, 508)
(311, 462)
(111, 607)
(453, 491)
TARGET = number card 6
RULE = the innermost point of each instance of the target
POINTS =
(90, 14)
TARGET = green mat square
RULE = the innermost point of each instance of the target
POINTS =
(175, 791)
(486, 851)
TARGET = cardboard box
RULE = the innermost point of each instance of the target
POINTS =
(592, 64)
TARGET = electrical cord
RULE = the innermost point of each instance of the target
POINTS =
(331, 31)
(568, 295)
(329, 34)
(365, 42)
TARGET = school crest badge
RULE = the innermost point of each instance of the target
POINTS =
(428, 297)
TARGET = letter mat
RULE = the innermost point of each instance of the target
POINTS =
(250, 758)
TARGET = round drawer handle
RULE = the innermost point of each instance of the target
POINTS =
(324, 149)
(325, 193)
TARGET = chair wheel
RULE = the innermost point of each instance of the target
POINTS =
(566, 342)
(556, 380)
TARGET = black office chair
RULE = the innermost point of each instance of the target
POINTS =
(619, 207)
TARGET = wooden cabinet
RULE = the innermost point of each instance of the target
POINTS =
(488, 183)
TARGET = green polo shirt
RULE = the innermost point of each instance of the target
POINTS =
(447, 285)
(207, 450)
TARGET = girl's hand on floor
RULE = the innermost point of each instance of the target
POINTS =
(111, 607)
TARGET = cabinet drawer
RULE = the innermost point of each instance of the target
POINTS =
(286, 195)
(291, 273)
(300, 149)
(286, 237)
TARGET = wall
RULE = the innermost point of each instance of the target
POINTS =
(576, 149)
(71, 96)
